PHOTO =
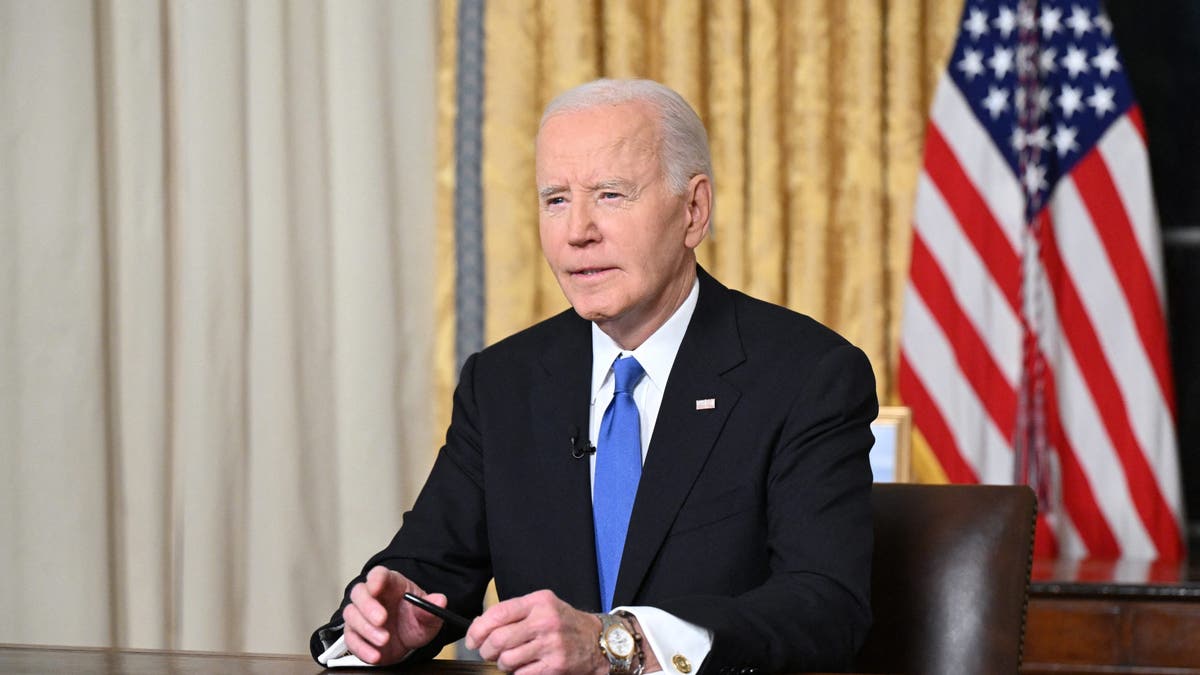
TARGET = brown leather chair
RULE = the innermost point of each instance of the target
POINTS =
(949, 579)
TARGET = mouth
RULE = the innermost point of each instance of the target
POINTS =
(589, 272)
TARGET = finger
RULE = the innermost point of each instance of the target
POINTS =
(505, 639)
(368, 605)
(360, 647)
(354, 620)
(519, 656)
(427, 620)
(500, 614)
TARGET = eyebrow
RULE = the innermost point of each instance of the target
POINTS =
(618, 184)
(551, 190)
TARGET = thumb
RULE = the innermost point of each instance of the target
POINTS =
(426, 619)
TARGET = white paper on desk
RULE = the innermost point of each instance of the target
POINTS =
(348, 661)
(337, 656)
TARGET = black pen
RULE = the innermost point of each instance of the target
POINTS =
(441, 612)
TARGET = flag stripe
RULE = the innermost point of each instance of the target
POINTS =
(1098, 375)
(1088, 264)
(1106, 210)
(1135, 117)
(980, 161)
(974, 289)
(1120, 147)
(1091, 525)
(970, 350)
(932, 426)
(973, 216)
(1071, 404)
(1117, 530)
(982, 446)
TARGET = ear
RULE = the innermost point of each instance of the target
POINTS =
(699, 209)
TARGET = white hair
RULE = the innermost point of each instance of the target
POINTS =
(683, 143)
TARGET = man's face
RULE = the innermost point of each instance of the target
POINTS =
(617, 239)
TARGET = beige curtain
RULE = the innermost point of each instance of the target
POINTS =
(216, 235)
(815, 109)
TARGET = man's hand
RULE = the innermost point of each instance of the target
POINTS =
(538, 633)
(381, 627)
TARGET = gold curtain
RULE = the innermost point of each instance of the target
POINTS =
(815, 110)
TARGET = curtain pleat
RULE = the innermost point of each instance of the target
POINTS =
(726, 122)
(445, 364)
(510, 116)
(216, 278)
(133, 142)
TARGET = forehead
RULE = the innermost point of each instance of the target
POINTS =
(597, 136)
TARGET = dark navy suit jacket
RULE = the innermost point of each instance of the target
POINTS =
(751, 519)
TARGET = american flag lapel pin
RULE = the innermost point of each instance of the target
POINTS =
(706, 403)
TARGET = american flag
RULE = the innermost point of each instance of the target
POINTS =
(1034, 344)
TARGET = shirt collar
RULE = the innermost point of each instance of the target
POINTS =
(656, 354)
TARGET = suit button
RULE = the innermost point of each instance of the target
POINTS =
(681, 663)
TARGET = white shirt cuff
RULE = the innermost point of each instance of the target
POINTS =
(675, 642)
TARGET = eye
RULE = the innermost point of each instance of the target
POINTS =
(609, 194)
(555, 201)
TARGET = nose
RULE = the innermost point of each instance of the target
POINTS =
(581, 226)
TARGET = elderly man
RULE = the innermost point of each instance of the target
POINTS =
(722, 503)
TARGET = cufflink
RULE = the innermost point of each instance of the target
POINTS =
(681, 663)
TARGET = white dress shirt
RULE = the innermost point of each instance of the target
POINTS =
(667, 634)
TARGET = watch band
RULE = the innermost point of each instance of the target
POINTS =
(640, 663)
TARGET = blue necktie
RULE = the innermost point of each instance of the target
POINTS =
(618, 469)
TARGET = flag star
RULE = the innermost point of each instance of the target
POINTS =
(1106, 61)
(1001, 62)
(1102, 100)
(1079, 21)
(1075, 61)
(1006, 21)
(1040, 138)
(1051, 22)
(1070, 100)
(976, 24)
(996, 101)
(1064, 140)
(1034, 178)
(1046, 60)
(1018, 138)
(971, 63)
(1103, 23)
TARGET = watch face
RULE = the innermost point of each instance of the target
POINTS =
(619, 642)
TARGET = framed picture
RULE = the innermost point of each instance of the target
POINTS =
(891, 456)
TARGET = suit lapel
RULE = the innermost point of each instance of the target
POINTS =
(685, 431)
(560, 401)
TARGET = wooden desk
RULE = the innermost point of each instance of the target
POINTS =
(34, 660)
(1091, 617)
(37, 660)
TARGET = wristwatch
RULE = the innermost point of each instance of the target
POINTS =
(618, 644)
